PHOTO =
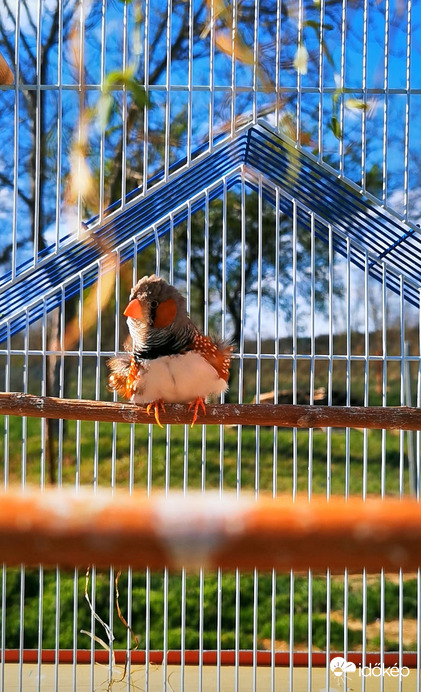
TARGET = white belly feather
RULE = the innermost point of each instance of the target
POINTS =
(178, 379)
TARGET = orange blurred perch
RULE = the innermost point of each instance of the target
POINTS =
(61, 527)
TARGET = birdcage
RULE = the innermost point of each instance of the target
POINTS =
(261, 157)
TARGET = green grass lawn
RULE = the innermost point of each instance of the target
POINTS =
(110, 453)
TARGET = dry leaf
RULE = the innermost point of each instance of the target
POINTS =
(241, 52)
(90, 305)
(301, 60)
(80, 182)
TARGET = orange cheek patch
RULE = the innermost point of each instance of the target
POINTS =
(165, 314)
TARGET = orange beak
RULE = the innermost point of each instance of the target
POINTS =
(134, 310)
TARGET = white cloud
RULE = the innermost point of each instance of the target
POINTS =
(395, 201)
(6, 203)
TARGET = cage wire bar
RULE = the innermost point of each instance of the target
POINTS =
(326, 317)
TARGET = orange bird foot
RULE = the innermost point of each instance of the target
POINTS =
(155, 405)
(199, 402)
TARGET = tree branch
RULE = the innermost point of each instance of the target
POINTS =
(280, 415)
(23, 38)
(52, 36)
(6, 43)
(4, 180)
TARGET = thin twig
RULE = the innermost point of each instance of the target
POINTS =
(126, 625)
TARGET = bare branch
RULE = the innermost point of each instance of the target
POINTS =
(7, 44)
(28, 14)
(5, 180)
(280, 415)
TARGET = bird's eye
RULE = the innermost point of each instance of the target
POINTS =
(154, 304)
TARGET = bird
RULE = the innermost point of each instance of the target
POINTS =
(167, 359)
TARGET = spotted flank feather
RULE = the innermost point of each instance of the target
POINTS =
(217, 353)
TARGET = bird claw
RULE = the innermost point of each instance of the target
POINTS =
(199, 402)
(155, 405)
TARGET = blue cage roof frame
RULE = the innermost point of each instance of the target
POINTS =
(336, 203)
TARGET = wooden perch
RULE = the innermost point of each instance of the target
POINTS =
(68, 528)
(281, 415)
(6, 74)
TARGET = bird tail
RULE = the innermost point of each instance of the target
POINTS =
(119, 372)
